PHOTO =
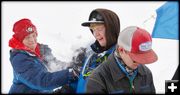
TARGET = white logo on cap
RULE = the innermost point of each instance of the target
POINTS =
(29, 29)
(93, 19)
(145, 46)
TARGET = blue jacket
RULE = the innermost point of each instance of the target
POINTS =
(90, 63)
(31, 76)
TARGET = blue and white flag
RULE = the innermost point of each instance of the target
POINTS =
(167, 21)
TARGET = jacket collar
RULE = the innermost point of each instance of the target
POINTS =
(15, 44)
(116, 72)
(96, 47)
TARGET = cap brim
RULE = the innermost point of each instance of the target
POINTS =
(89, 22)
(144, 58)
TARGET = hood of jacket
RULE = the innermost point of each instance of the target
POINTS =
(112, 24)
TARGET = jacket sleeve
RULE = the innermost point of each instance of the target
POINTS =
(94, 84)
(35, 76)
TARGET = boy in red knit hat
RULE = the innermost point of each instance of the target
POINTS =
(32, 62)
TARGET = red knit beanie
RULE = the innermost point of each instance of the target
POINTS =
(22, 28)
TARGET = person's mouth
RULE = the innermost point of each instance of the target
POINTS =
(32, 44)
(100, 39)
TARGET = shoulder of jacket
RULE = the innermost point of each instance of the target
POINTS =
(101, 69)
(105, 67)
(21, 52)
(20, 57)
(144, 70)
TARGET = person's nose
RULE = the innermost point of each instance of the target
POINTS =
(32, 39)
(96, 33)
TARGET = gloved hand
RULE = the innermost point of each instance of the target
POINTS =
(75, 72)
(79, 56)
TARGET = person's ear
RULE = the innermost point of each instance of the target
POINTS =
(120, 50)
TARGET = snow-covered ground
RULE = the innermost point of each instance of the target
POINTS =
(59, 26)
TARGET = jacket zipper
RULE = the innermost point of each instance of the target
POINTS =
(132, 89)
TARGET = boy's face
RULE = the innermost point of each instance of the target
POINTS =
(127, 59)
(99, 33)
(30, 41)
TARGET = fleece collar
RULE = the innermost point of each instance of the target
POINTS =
(15, 44)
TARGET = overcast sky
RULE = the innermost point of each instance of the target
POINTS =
(59, 26)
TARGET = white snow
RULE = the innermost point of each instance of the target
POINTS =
(59, 26)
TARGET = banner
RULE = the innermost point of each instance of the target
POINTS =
(167, 20)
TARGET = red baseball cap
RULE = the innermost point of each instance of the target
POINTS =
(138, 42)
(22, 28)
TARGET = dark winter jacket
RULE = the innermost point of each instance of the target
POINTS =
(109, 78)
(31, 75)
